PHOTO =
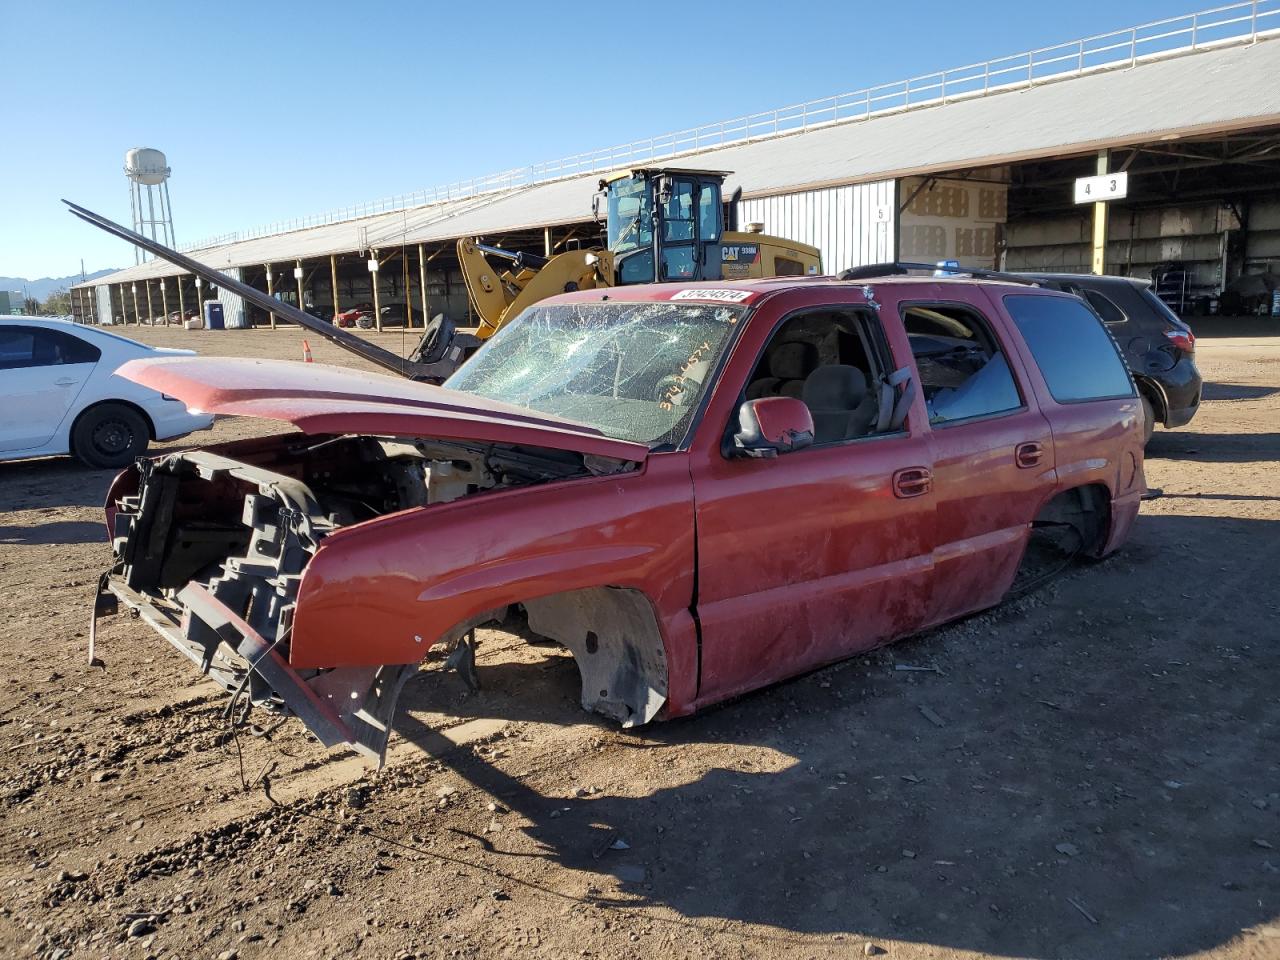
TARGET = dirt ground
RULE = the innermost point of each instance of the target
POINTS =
(1103, 783)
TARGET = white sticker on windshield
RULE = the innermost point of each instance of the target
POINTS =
(720, 296)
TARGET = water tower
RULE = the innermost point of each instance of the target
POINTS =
(148, 169)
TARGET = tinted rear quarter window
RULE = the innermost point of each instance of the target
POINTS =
(1073, 350)
(1107, 310)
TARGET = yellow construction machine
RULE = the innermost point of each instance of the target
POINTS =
(663, 224)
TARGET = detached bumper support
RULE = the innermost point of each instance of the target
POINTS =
(346, 705)
(261, 656)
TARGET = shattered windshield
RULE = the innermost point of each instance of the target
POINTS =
(635, 371)
(630, 222)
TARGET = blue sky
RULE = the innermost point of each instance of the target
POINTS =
(273, 110)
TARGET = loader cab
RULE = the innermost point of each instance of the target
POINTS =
(664, 224)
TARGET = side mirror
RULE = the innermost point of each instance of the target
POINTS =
(769, 426)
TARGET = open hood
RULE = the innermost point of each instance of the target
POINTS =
(332, 400)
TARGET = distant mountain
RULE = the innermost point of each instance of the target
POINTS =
(40, 289)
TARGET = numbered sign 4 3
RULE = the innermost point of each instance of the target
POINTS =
(1110, 186)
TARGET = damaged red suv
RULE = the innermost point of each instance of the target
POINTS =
(697, 490)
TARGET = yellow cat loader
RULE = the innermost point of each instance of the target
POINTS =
(663, 224)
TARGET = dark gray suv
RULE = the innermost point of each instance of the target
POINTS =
(1159, 348)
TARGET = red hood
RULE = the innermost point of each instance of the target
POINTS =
(323, 399)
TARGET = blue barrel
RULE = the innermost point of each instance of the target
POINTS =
(213, 315)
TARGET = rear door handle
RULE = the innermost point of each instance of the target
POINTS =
(1029, 454)
(66, 381)
(912, 482)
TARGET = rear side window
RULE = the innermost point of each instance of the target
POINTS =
(963, 372)
(1107, 310)
(1073, 350)
(24, 347)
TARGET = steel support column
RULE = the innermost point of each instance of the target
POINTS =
(164, 299)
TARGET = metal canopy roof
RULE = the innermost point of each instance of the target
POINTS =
(1195, 93)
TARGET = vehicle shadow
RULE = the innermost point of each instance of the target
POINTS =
(52, 482)
(1214, 447)
(1101, 783)
(1234, 327)
(1236, 391)
(55, 531)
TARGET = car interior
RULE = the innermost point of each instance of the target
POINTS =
(823, 360)
(963, 373)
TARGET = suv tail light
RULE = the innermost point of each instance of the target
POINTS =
(1184, 340)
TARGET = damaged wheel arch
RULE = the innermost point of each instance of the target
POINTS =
(617, 643)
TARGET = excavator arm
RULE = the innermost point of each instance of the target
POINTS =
(498, 295)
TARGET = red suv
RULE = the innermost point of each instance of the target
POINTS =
(699, 490)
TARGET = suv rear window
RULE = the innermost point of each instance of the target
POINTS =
(1107, 310)
(1073, 350)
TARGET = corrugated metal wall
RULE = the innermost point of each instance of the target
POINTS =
(851, 225)
(105, 312)
(233, 312)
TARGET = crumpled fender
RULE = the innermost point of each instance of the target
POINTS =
(385, 591)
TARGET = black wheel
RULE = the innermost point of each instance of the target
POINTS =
(1149, 421)
(109, 435)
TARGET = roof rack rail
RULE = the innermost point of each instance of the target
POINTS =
(900, 268)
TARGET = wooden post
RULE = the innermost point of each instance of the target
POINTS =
(182, 305)
(137, 315)
(422, 285)
(124, 314)
(151, 313)
(297, 272)
(547, 246)
(333, 283)
(271, 292)
(373, 282)
(408, 300)
(164, 299)
(1100, 220)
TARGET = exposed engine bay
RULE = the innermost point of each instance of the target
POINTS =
(210, 547)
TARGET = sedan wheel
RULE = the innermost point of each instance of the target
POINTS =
(109, 435)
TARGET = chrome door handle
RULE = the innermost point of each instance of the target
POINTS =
(1029, 454)
(912, 482)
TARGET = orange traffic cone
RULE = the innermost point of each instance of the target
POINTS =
(306, 352)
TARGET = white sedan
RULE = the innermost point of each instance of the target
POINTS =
(59, 394)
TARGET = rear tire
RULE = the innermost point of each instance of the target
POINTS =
(1148, 421)
(109, 436)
